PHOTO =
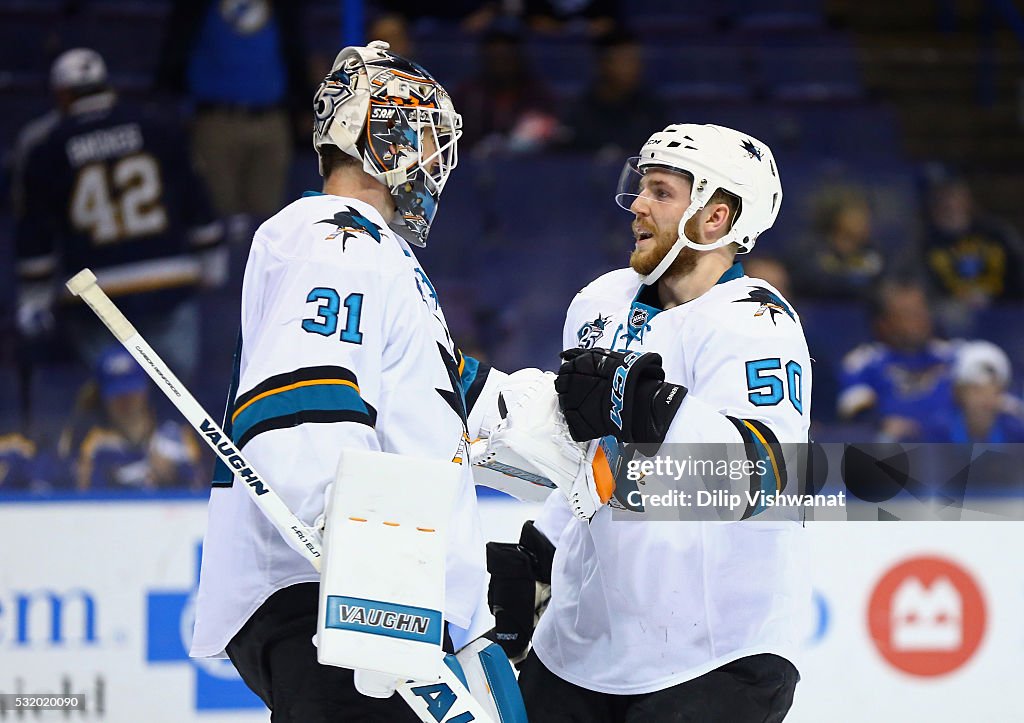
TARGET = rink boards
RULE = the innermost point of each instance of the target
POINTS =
(910, 620)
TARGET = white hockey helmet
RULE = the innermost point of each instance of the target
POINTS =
(716, 158)
(392, 115)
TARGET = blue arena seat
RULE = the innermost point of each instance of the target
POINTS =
(689, 72)
(816, 71)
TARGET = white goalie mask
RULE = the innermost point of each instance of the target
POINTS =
(392, 115)
(715, 158)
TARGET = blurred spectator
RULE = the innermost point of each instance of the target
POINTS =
(394, 30)
(617, 113)
(903, 379)
(771, 270)
(24, 466)
(970, 256)
(596, 17)
(117, 441)
(840, 261)
(472, 16)
(243, 65)
(505, 106)
(109, 188)
(17, 457)
(984, 411)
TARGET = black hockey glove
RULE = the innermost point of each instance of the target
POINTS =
(519, 590)
(623, 394)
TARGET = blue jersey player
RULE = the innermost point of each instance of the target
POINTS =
(111, 188)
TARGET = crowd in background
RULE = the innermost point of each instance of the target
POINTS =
(241, 80)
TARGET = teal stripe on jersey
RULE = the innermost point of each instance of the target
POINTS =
(316, 403)
(769, 482)
(467, 376)
(770, 456)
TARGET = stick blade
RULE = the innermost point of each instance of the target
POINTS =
(81, 281)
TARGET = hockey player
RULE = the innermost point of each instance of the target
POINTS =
(688, 621)
(343, 345)
(107, 186)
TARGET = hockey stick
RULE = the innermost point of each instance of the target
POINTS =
(445, 701)
(295, 533)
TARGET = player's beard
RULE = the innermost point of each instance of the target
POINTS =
(644, 262)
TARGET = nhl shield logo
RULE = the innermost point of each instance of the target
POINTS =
(638, 317)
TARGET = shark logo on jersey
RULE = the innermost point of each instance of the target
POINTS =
(750, 148)
(767, 301)
(592, 331)
(350, 222)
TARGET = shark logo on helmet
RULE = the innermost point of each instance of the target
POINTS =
(400, 143)
(751, 149)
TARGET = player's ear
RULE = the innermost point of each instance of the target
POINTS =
(717, 220)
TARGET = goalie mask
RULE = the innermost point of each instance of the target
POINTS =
(714, 157)
(394, 117)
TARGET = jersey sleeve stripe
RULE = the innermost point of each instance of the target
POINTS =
(287, 388)
(317, 401)
(761, 445)
(312, 416)
(287, 379)
(769, 443)
(749, 446)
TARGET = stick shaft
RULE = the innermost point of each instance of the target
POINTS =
(295, 533)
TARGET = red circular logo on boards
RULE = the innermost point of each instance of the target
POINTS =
(927, 616)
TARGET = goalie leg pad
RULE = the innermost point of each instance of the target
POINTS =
(490, 678)
(382, 579)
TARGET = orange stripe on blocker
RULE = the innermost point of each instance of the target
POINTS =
(358, 519)
(392, 524)
(426, 529)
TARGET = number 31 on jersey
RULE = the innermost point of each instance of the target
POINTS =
(325, 322)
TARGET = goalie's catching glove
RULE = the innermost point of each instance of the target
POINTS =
(519, 590)
(622, 394)
(530, 452)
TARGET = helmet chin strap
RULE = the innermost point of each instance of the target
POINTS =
(682, 241)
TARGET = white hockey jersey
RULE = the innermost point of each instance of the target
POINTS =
(343, 345)
(638, 606)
